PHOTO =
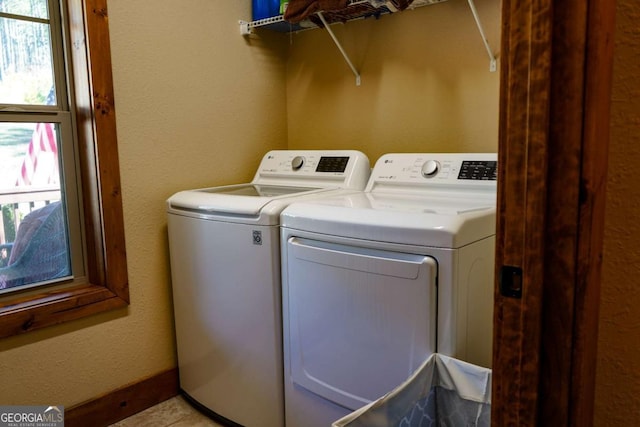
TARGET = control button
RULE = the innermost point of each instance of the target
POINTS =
(297, 162)
(430, 168)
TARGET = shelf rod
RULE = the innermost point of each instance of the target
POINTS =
(493, 66)
(344, 54)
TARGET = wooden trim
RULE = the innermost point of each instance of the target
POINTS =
(554, 122)
(124, 402)
(108, 286)
(524, 118)
(561, 231)
(593, 180)
(110, 236)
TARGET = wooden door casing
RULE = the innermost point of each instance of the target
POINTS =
(554, 120)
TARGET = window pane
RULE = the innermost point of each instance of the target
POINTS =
(26, 71)
(32, 8)
(33, 228)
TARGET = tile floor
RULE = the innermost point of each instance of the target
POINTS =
(175, 412)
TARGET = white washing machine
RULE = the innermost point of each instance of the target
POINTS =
(373, 283)
(225, 271)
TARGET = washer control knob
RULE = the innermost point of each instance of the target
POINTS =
(297, 162)
(430, 168)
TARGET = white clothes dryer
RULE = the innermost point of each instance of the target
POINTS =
(373, 283)
(225, 269)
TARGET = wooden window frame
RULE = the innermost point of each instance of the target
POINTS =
(107, 286)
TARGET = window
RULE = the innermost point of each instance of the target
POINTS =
(40, 235)
(65, 38)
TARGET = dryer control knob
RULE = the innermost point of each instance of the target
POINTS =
(430, 168)
(297, 162)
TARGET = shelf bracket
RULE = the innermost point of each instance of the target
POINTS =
(344, 54)
(493, 64)
(245, 28)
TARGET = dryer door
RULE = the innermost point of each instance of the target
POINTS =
(361, 320)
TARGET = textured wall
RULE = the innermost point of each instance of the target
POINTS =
(618, 372)
(196, 105)
(426, 84)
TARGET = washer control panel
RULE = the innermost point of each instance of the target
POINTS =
(306, 162)
(316, 168)
(427, 169)
(336, 164)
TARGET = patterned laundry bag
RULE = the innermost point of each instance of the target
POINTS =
(443, 392)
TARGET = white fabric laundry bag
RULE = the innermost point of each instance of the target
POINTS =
(443, 392)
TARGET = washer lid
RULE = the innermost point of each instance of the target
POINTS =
(241, 199)
(446, 222)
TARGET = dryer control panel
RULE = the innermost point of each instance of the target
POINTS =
(433, 170)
